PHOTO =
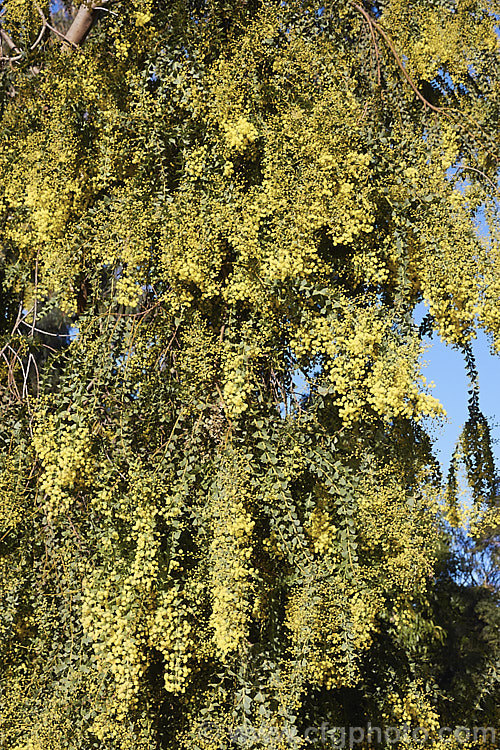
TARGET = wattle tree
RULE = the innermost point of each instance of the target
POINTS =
(221, 521)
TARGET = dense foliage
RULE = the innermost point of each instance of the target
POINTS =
(221, 521)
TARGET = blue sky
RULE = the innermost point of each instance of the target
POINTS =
(446, 369)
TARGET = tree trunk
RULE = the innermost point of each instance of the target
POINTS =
(80, 26)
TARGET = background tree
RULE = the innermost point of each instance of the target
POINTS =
(222, 520)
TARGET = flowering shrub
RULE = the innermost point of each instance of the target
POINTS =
(218, 503)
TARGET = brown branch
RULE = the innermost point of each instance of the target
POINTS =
(374, 25)
(11, 380)
(448, 111)
(369, 21)
(5, 39)
(47, 25)
(74, 37)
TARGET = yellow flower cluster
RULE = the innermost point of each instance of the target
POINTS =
(111, 617)
(123, 612)
(236, 386)
(65, 453)
(370, 369)
(395, 390)
(195, 162)
(321, 530)
(330, 629)
(302, 232)
(240, 134)
(170, 632)
(444, 41)
(141, 19)
(404, 535)
(11, 491)
(231, 550)
(414, 708)
(117, 605)
(128, 291)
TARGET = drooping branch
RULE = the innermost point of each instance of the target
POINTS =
(374, 26)
(375, 46)
(450, 112)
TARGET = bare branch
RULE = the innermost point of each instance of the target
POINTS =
(7, 41)
(19, 318)
(47, 25)
(42, 30)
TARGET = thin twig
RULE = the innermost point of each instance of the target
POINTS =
(45, 333)
(35, 303)
(106, 10)
(375, 46)
(11, 381)
(19, 318)
(483, 174)
(26, 376)
(374, 25)
(363, 114)
(40, 35)
(54, 30)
